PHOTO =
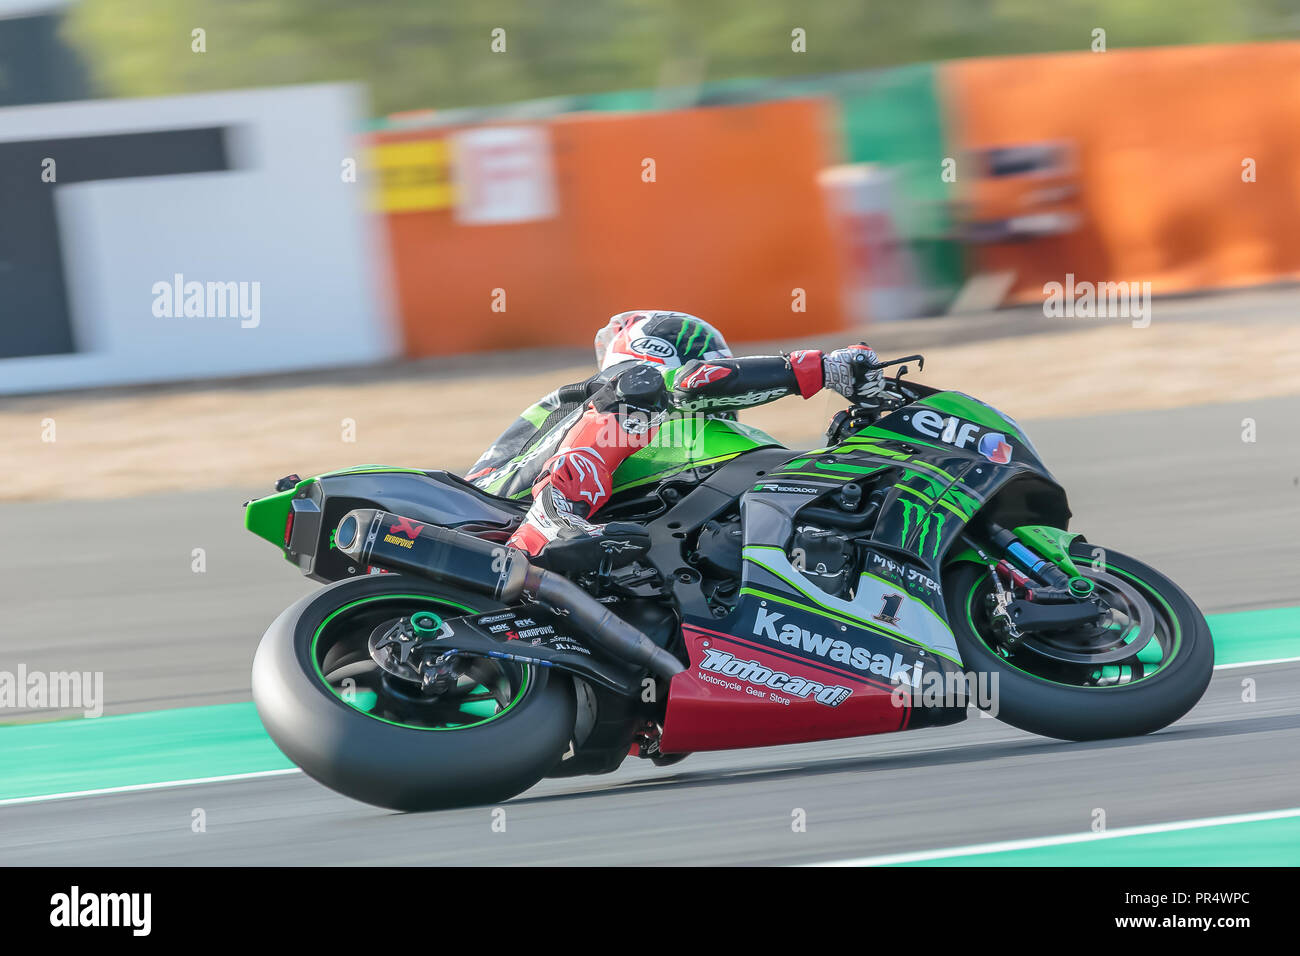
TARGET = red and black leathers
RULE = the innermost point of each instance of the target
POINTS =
(568, 450)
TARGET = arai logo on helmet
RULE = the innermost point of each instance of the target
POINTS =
(652, 346)
(992, 445)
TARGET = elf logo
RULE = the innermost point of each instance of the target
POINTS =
(895, 670)
(953, 431)
(752, 672)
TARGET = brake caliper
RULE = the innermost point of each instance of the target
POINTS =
(999, 604)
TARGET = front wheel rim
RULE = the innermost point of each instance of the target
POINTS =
(1153, 657)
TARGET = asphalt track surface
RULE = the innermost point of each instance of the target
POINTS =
(110, 586)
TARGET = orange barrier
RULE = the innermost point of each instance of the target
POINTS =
(1160, 137)
(734, 221)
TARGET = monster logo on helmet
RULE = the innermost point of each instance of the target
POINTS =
(670, 339)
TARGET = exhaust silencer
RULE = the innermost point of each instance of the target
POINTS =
(369, 536)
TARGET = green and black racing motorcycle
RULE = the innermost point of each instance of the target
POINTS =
(917, 564)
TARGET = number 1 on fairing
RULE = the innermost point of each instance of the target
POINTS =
(889, 608)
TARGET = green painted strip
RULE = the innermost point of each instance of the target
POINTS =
(851, 469)
(67, 756)
(1255, 635)
(152, 747)
(782, 475)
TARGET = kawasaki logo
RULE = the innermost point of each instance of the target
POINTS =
(766, 623)
(752, 672)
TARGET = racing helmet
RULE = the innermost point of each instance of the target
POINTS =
(670, 339)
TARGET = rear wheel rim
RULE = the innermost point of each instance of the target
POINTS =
(342, 666)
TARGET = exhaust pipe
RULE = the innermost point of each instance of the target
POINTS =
(369, 536)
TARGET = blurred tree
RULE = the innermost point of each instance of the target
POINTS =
(416, 54)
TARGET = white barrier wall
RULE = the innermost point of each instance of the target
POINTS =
(186, 237)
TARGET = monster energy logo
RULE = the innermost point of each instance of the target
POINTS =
(924, 519)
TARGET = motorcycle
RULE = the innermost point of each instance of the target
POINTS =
(917, 565)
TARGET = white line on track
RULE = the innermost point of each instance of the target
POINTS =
(921, 856)
(196, 781)
(136, 787)
(1275, 660)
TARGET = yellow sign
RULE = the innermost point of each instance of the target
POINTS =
(413, 176)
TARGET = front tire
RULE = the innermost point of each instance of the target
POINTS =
(1079, 702)
(386, 762)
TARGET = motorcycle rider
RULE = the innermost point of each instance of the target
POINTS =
(566, 447)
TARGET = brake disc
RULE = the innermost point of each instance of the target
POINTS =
(1069, 649)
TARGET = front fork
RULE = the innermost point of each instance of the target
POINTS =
(1030, 592)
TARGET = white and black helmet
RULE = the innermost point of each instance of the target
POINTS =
(670, 339)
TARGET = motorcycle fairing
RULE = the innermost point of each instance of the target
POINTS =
(894, 629)
(688, 441)
(910, 619)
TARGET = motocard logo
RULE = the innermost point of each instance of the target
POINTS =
(895, 670)
(654, 347)
(752, 672)
(955, 432)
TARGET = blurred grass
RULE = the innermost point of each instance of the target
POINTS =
(417, 54)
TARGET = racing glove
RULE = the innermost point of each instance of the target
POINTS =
(851, 371)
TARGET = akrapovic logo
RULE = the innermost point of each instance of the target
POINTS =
(752, 672)
(895, 670)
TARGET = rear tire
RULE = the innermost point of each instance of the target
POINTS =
(1053, 709)
(389, 764)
